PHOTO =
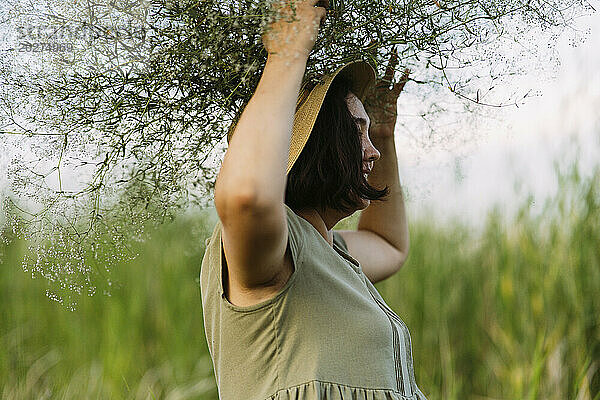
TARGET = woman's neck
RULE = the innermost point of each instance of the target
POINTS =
(322, 221)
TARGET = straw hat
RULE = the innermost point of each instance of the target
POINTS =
(309, 102)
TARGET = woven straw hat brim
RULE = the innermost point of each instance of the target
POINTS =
(362, 76)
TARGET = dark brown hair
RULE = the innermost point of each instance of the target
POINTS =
(328, 172)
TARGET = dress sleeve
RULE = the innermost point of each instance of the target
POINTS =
(339, 240)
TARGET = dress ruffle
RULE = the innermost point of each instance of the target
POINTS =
(318, 390)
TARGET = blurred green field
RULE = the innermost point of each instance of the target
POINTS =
(511, 312)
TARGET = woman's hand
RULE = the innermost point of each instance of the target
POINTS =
(290, 39)
(380, 102)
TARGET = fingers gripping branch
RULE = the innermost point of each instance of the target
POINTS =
(295, 26)
(381, 101)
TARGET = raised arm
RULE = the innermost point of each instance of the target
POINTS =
(250, 187)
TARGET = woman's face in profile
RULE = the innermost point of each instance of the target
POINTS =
(369, 153)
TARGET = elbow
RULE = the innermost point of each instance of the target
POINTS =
(401, 258)
(227, 197)
(240, 200)
(404, 251)
(230, 203)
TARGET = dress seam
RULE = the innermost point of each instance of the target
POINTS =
(277, 349)
(338, 384)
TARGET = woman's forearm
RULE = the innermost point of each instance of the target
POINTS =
(255, 163)
(387, 218)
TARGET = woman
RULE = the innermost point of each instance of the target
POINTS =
(290, 310)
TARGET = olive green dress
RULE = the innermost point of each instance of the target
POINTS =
(327, 334)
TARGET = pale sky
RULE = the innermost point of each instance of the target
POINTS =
(514, 156)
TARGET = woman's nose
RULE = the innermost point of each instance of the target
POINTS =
(371, 153)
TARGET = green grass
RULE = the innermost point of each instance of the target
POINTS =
(510, 313)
